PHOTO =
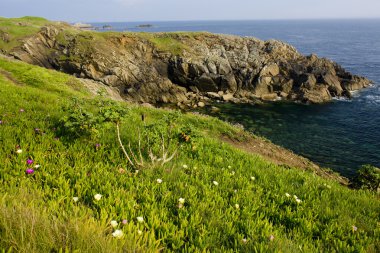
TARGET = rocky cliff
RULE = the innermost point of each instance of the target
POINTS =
(186, 68)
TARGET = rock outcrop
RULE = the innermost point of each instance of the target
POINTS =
(188, 68)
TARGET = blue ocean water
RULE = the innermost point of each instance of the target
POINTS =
(342, 135)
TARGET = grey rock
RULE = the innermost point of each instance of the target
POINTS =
(246, 67)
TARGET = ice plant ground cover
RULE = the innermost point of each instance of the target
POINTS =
(85, 196)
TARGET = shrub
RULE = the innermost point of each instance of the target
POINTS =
(368, 177)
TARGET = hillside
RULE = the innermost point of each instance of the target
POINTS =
(183, 68)
(67, 185)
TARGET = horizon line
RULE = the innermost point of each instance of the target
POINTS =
(213, 20)
(219, 20)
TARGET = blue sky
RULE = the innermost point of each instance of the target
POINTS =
(157, 10)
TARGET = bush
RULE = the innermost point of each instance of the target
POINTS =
(368, 177)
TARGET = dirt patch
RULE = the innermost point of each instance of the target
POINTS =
(279, 155)
(9, 77)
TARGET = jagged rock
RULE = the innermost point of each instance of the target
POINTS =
(270, 70)
(228, 97)
(269, 97)
(213, 95)
(207, 64)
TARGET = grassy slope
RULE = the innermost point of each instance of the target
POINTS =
(18, 29)
(38, 214)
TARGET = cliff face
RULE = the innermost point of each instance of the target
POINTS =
(188, 67)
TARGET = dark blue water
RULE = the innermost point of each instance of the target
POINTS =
(341, 135)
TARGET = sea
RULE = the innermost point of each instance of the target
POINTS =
(342, 135)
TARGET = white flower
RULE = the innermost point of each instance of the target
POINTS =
(294, 196)
(287, 195)
(114, 223)
(298, 200)
(97, 197)
(136, 171)
(181, 200)
(140, 219)
(184, 166)
(253, 178)
(118, 234)
(75, 199)
(159, 180)
(19, 151)
(139, 232)
(37, 166)
(232, 173)
(215, 183)
(237, 206)
(244, 240)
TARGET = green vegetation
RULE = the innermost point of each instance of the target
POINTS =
(14, 30)
(368, 177)
(59, 149)
(168, 44)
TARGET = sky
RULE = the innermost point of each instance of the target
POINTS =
(167, 10)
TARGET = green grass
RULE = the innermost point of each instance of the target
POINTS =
(38, 214)
(19, 29)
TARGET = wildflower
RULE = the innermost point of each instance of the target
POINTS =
(118, 234)
(19, 151)
(271, 237)
(354, 228)
(75, 199)
(253, 178)
(181, 200)
(287, 195)
(298, 201)
(29, 161)
(97, 145)
(232, 173)
(124, 222)
(140, 219)
(97, 197)
(21, 110)
(294, 196)
(37, 166)
(159, 180)
(180, 205)
(215, 183)
(29, 171)
(235, 191)
(139, 232)
(237, 206)
(184, 166)
(137, 171)
(244, 240)
(114, 223)
(1, 122)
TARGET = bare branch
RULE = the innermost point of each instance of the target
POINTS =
(122, 146)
